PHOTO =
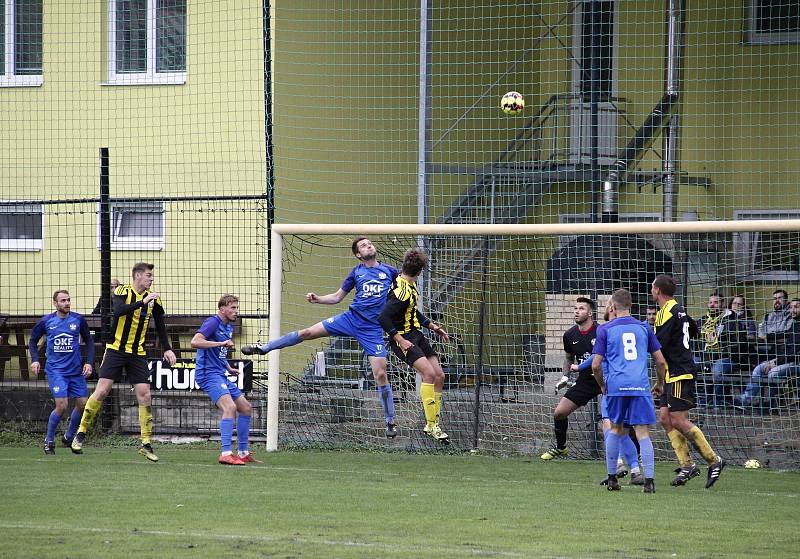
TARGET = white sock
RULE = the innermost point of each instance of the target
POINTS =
(227, 453)
(635, 470)
(620, 462)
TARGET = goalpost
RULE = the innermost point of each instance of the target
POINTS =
(556, 263)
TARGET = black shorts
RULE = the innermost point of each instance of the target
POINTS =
(678, 395)
(421, 348)
(584, 391)
(135, 367)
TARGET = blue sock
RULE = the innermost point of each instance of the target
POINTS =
(612, 452)
(242, 432)
(290, 339)
(74, 422)
(52, 423)
(387, 402)
(226, 433)
(628, 452)
(648, 457)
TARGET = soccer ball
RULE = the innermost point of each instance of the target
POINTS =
(512, 103)
(752, 464)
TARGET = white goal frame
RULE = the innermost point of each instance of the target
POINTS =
(279, 230)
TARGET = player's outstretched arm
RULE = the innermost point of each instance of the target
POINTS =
(329, 299)
(597, 371)
(585, 365)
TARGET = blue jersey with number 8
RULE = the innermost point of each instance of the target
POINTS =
(625, 344)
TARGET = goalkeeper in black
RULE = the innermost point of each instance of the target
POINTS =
(402, 321)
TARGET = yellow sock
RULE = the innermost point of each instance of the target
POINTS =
(698, 439)
(428, 402)
(437, 404)
(681, 448)
(146, 423)
(89, 414)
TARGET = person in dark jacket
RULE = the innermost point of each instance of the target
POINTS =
(733, 347)
(776, 372)
(738, 305)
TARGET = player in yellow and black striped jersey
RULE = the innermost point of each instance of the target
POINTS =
(674, 329)
(402, 321)
(132, 316)
(134, 305)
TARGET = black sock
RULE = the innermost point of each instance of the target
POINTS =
(632, 434)
(560, 428)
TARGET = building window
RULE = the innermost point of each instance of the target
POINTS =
(601, 15)
(595, 37)
(21, 226)
(767, 256)
(147, 42)
(20, 43)
(136, 226)
(773, 22)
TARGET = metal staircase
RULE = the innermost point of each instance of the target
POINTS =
(502, 193)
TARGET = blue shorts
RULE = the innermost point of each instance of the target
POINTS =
(604, 410)
(216, 385)
(368, 334)
(631, 410)
(67, 386)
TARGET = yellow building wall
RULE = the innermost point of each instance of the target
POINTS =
(204, 137)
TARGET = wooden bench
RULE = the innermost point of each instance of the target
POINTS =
(15, 331)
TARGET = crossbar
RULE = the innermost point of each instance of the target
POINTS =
(740, 226)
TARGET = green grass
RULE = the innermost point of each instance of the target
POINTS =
(112, 503)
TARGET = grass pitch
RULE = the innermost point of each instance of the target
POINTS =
(112, 503)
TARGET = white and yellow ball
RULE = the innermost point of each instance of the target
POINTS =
(752, 464)
(512, 103)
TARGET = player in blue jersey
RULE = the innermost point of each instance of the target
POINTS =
(629, 446)
(623, 344)
(372, 280)
(213, 341)
(66, 371)
(628, 451)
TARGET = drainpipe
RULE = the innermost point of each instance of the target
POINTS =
(672, 83)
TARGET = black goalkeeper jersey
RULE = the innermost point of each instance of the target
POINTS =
(674, 329)
(579, 344)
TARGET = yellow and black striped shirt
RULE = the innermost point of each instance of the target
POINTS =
(131, 318)
(674, 328)
(400, 314)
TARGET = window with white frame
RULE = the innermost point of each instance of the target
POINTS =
(21, 226)
(20, 43)
(773, 22)
(768, 256)
(147, 42)
(136, 226)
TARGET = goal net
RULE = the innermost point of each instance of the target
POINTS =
(506, 296)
